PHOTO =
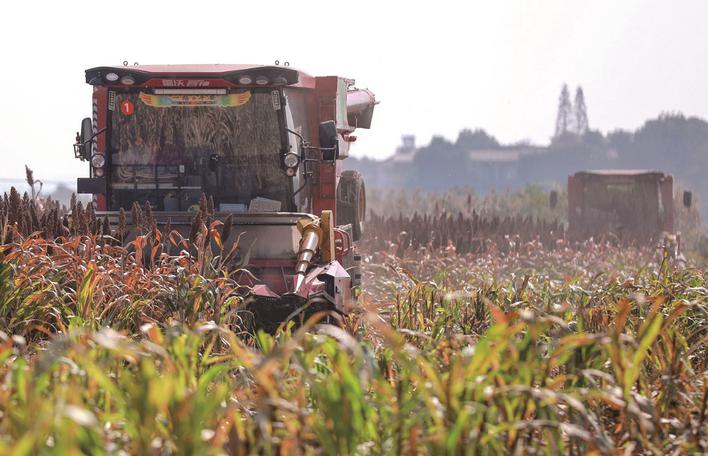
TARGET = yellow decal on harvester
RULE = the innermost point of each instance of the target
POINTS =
(171, 101)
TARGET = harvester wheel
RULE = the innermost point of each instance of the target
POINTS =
(351, 202)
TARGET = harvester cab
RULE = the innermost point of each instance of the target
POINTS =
(632, 206)
(264, 144)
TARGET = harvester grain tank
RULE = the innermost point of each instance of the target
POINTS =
(264, 143)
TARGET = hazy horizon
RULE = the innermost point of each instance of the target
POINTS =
(435, 70)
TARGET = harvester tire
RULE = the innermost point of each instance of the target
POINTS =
(351, 202)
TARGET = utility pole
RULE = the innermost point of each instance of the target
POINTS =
(564, 119)
(581, 113)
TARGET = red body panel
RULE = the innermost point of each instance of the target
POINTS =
(100, 117)
(324, 198)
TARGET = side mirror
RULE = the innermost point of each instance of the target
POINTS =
(687, 199)
(84, 145)
(328, 139)
(553, 199)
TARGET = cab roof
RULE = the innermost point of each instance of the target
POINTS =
(216, 72)
(621, 172)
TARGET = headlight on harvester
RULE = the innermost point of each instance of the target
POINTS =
(245, 80)
(98, 160)
(291, 160)
(262, 80)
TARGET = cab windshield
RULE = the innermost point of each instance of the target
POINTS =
(168, 149)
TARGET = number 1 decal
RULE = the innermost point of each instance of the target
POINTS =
(127, 108)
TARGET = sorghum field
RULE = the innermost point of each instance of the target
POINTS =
(569, 349)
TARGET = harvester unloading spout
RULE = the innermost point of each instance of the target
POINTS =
(360, 107)
(320, 282)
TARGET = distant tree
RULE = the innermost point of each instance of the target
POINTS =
(671, 140)
(439, 150)
(619, 139)
(526, 142)
(62, 193)
(593, 138)
(563, 118)
(438, 164)
(477, 139)
(581, 113)
(439, 144)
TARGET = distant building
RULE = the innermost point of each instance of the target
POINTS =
(406, 151)
(485, 169)
(498, 168)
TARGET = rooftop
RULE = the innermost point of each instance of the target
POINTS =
(229, 72)
(620, 172)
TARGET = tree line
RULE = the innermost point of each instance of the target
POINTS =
(672, 143)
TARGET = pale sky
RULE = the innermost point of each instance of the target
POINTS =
(436, 67)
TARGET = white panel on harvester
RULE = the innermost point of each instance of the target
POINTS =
(259, 204)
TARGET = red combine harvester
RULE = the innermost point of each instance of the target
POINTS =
(634, 206)
(265, 143)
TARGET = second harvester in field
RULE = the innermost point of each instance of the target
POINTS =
(635, 206)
